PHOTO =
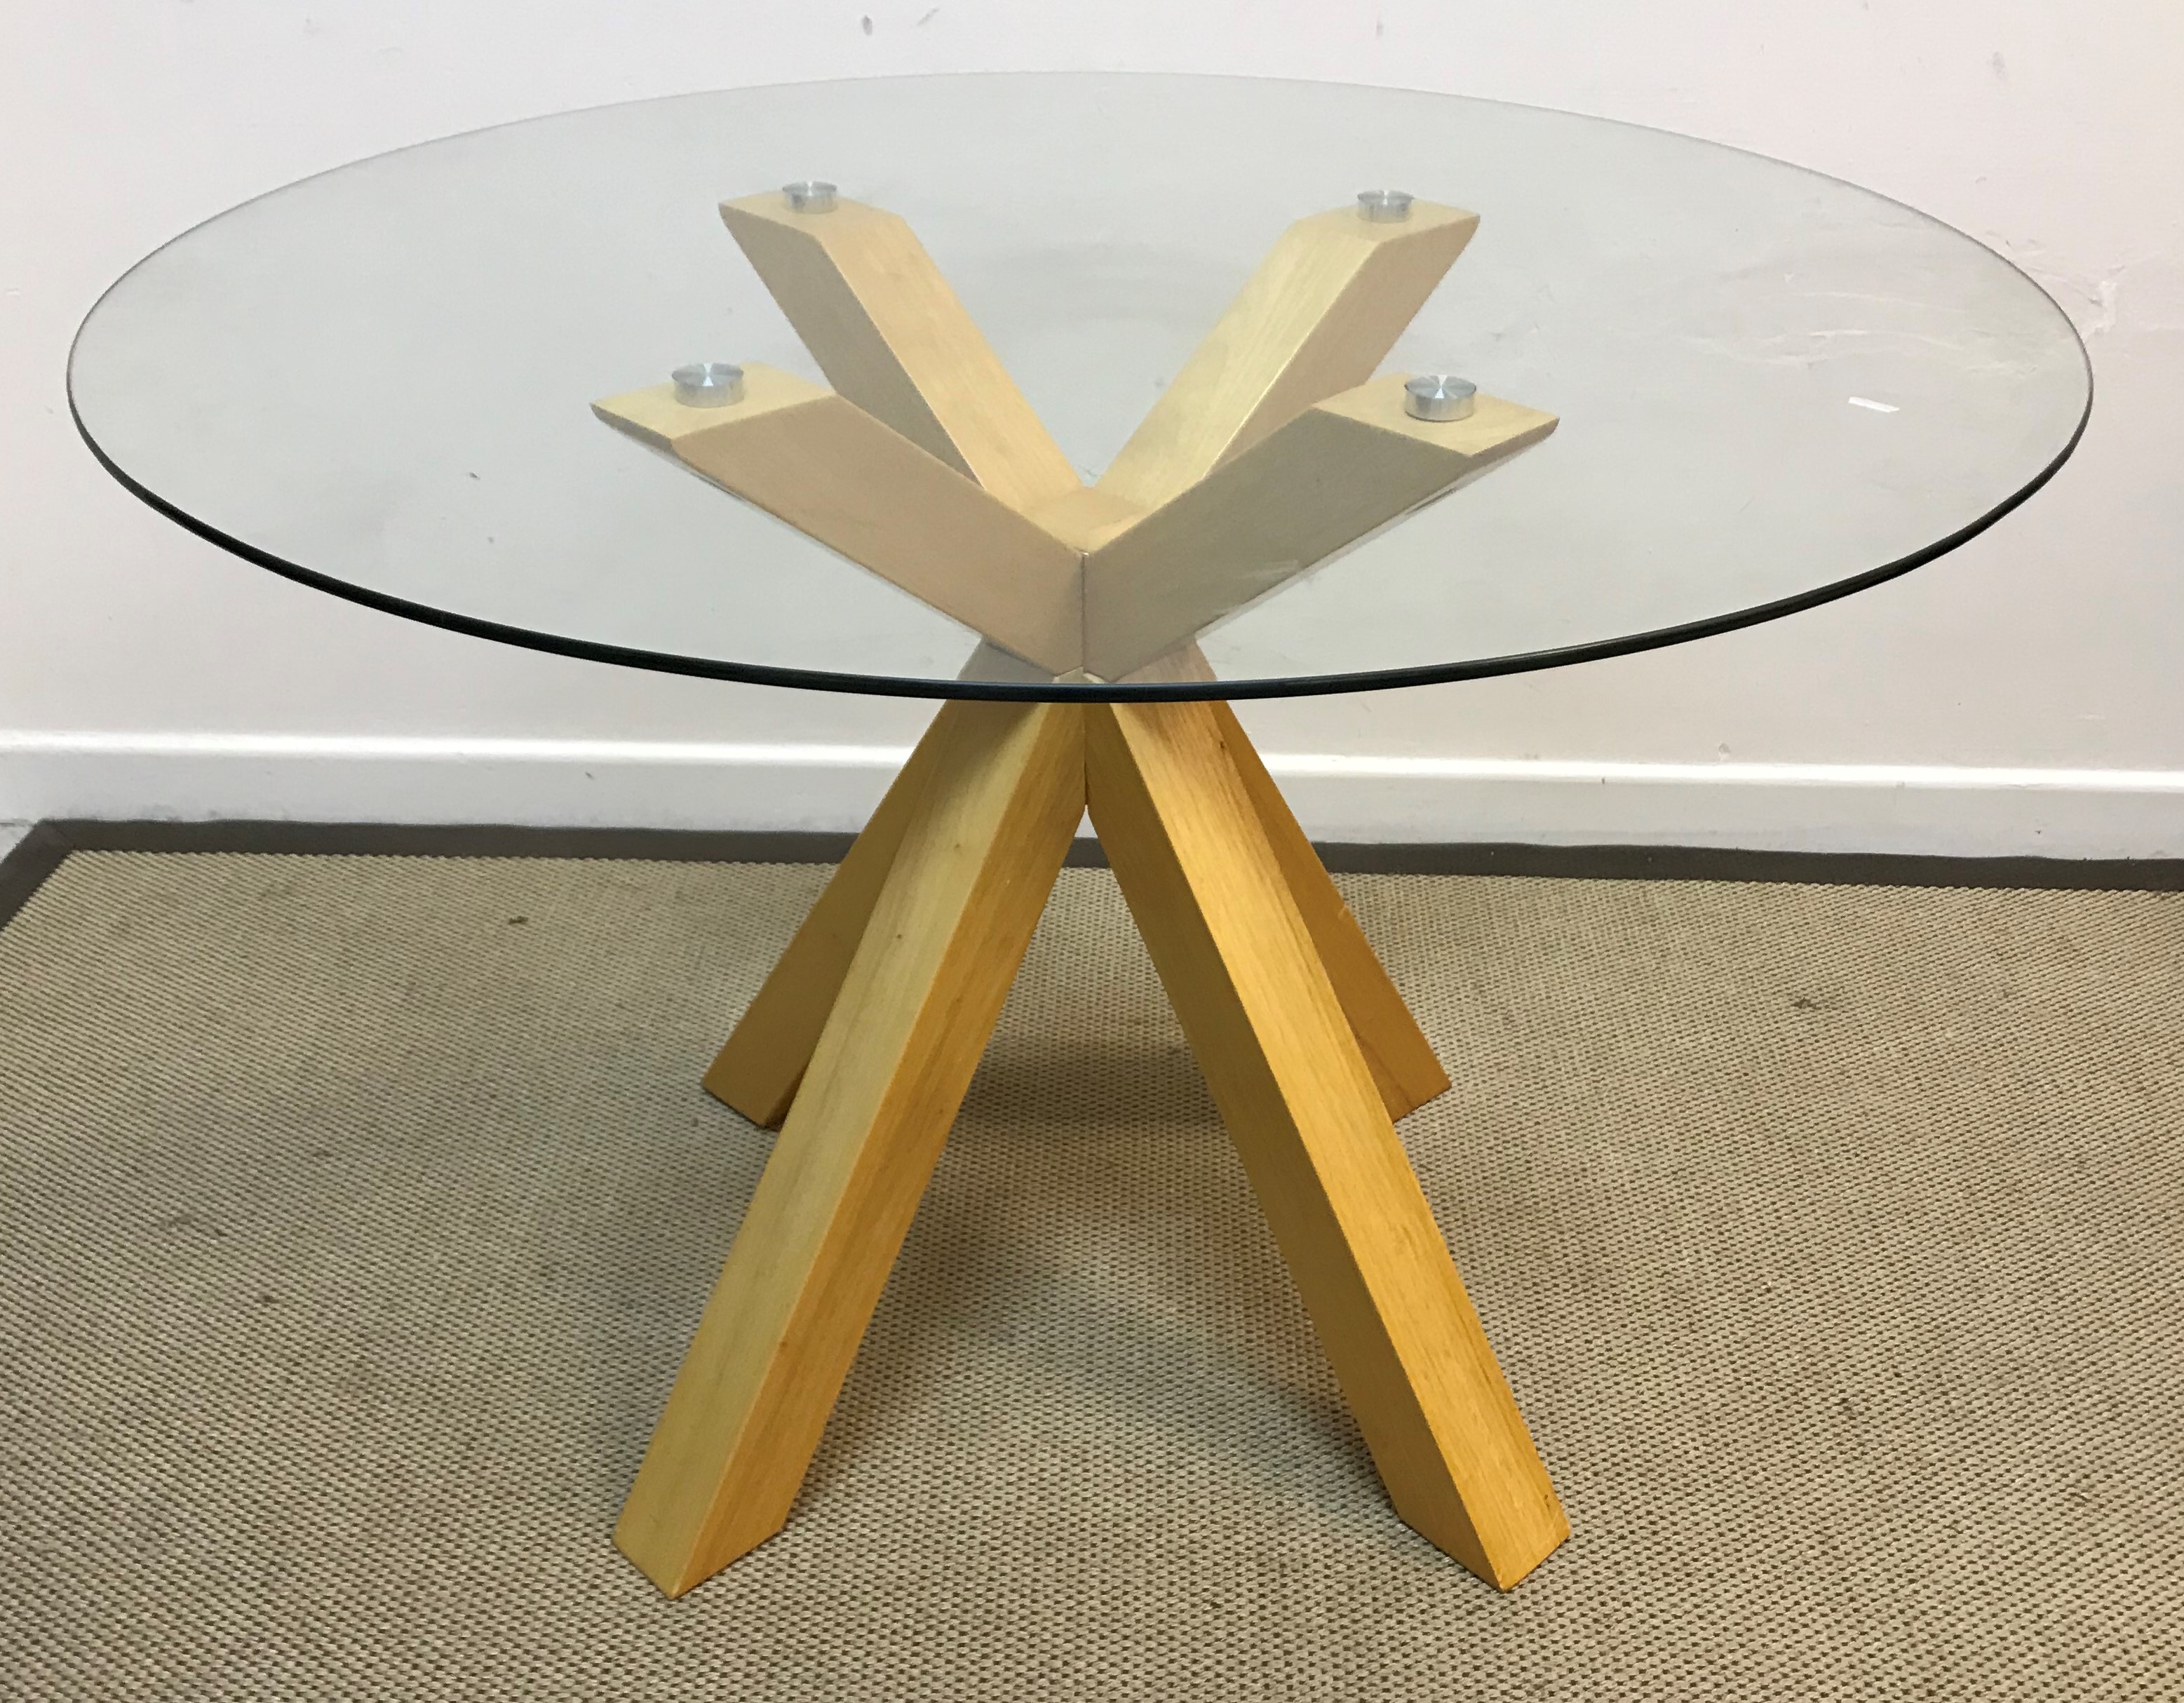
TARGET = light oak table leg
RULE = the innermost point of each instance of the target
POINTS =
(1207, 890)
(978, 853)
(1402, 1059)
(757, 1070)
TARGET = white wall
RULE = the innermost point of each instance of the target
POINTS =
(2022, 694)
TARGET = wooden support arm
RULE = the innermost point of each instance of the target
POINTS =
(1319, 315)
(814, 459)
(1339, 471)
(894, 338)
(1266, 456)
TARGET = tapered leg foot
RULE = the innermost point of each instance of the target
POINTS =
(980, 844)
(1206, 886)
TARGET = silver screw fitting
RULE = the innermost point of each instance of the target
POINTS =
(1385, 206)
(709, 384)
(1435, 395)
(810, 196)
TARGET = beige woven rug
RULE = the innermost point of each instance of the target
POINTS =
(354, 1212)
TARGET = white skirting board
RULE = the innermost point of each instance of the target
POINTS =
(1965, 812)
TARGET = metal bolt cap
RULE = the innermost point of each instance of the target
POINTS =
(709, 384)
(813, 195)
(1438, 397)
(1385, 206)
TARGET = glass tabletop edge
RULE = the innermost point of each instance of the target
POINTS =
(1034, 692)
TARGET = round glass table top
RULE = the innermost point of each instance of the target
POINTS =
(1711, 388)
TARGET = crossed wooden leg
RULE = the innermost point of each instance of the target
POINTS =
(757, 1071)
(882, 1006)
(977, 851)
(1243, 968)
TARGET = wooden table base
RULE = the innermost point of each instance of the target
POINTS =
(862, 1043)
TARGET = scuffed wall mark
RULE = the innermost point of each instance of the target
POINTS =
(2104, 317)
(2090, 299)
(2091, 302)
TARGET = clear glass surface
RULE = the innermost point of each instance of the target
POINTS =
(1773, 388)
